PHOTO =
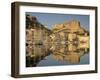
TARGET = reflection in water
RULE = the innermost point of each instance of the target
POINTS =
(57, 54)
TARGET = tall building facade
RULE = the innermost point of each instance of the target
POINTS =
(36, 34)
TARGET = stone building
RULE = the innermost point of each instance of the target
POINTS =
(68, 32)
(36, 34)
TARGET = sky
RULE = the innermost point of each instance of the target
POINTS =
(49, 19)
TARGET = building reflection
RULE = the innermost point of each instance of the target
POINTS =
(70, 52)
(39, 52)
(60, 52)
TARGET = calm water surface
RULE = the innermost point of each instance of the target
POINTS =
(57, 55)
